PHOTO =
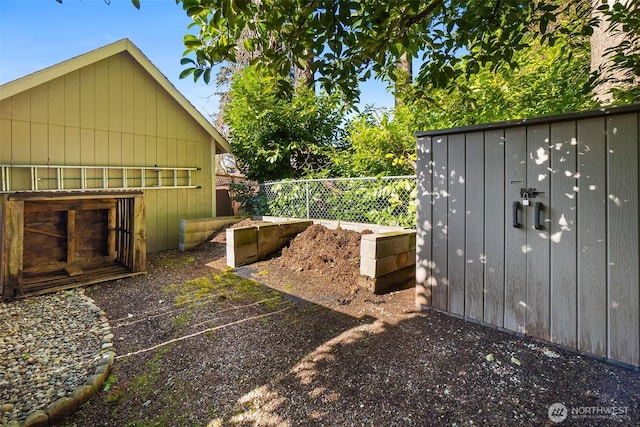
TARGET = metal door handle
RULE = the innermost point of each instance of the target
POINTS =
(538, 209)
(516, 208)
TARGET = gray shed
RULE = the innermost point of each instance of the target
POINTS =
(532, 226)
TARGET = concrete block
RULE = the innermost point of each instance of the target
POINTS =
(382, 245)
(380, 267)
(401, 279)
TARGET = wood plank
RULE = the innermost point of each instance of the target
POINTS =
(72, 99)
(55, 99)
(102, 150)
(151, 106)
(592, 237)
(56, 144)
(39, 104)
(101, 97)
(474, 226)
(563, 234)
(516, 249)
(13, 229)
(114, 83)
(46, 246)
(72, 149)
(457, 212)
(622, 239)
(139, 235)
(424, 173)
(139, 100)
(439, 283)
(128, 116)
(115, 149)
(494, 227)
(21, 106)
(162, 113)
(87, 99)
(40, 153)
(20, 151)
(538, 285)
(112, 233)
(172, 198)
(71, 236)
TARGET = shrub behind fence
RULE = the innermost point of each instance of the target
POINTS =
(383, 201)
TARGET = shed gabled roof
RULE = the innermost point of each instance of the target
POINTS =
(39, 77)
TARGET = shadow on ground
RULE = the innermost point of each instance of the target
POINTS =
(240, 353)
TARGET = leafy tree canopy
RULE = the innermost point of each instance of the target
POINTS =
(346, 41)
(552, 80)
(276, 137)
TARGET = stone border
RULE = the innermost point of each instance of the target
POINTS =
(65, 406)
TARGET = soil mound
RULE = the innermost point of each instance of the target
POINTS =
(333, 253)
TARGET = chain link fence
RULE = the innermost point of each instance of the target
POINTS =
(384, 201)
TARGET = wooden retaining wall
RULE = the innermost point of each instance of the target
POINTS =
(195, 231)
(246, 245)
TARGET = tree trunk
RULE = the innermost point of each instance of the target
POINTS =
(404, 68)
(606, 37)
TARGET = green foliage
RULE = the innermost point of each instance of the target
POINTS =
(275, 136)
(552, 80)
(379, 146)
(345, 41)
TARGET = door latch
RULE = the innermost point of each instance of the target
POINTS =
(526, 194)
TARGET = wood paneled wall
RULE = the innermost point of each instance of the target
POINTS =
(114, 113)
(576, 281)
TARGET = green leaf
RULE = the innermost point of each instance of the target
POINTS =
(136, 3)
(515, 361)
(490, 357)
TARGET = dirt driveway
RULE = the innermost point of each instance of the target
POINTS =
(200, 346)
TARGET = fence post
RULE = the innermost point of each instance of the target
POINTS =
(307, 188)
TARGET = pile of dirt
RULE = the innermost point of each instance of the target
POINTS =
(333, 253)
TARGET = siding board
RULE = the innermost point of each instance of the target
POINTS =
(72, 99)
(87, 97)
(128, 115)
(562, 232)
(538, 287)
(115, 93)
(439, 283)
(474, 226)
(494, 228)
(622, 230)
(592, 237)
(424, 171)
(456, 225)
(101, 95)
(516, 248)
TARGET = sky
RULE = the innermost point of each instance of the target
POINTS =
(35, 34)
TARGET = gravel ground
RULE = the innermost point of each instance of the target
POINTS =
(198, 345)
(49, 345)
